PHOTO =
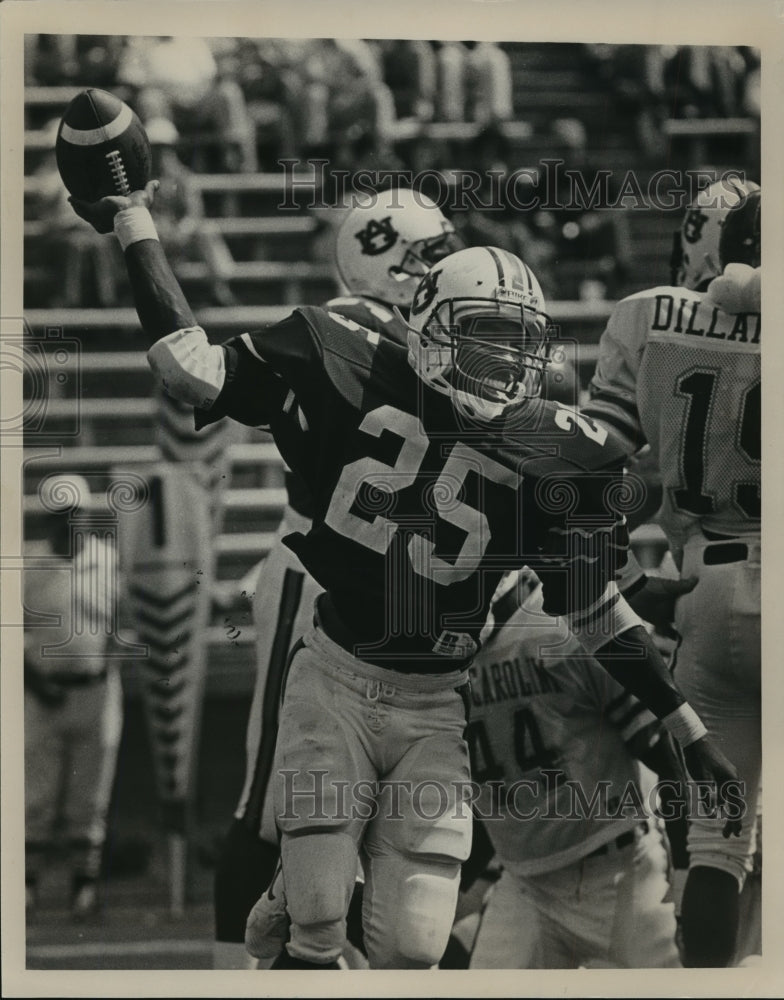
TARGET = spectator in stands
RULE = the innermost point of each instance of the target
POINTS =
(49, 60)
(409, 70)
(729, 75)
(180, 78)
(73, 708)
(361, 107)
(635, 76)
(503, 225)
(86, 60)
(751, 101)
(591, 244)
(350, 108)
(268, 71)
(705, 81)
(182, 226)
(489, 83)
(450, 101)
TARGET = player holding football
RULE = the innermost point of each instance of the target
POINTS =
(680, 369)
(383, 248)
(431, 477)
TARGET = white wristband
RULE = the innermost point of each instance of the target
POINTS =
(685, 725)
(132, 225)
(608, 617)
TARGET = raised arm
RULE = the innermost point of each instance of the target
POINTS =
(160, 302)
(187, 365)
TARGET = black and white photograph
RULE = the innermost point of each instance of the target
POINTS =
(382, 448)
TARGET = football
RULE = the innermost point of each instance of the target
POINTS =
(102, 147)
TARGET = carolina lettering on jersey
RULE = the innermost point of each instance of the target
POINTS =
(510, 678)
(683, 375)
(551, 743)
(417, 513)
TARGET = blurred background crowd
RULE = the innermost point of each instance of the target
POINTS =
(240, 105)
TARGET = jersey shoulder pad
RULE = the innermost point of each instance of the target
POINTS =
(339, 335)
(357, 362)
(371, 314)
(283, 346)
(569, 439)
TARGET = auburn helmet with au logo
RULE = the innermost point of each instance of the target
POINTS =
(695, 253)
(385, 245)
(478, 331)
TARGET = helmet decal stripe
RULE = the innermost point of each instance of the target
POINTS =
(525, 274)
(499, 266)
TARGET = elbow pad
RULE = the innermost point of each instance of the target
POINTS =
(189, 367)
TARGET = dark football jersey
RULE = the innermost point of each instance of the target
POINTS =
(370, 314)
(417, 510)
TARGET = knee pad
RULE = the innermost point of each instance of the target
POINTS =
(428, 906)
(409, 911)
(319, 870)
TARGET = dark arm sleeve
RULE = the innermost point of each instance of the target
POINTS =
(265, 369)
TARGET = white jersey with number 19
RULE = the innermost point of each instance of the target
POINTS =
(677, 371)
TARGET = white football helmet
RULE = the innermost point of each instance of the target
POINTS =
(386, 244)
(478, 331)
(695, 253)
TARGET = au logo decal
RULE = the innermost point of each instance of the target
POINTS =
(692, 227)
(378, 236)
(426, 292)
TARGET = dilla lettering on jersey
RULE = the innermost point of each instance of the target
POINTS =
(700, 319)
(513, 678)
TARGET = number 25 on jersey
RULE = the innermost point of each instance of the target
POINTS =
(383, 480)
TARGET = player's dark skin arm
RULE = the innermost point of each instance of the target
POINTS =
(633, 660)
(160, 302)
(662, 757)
